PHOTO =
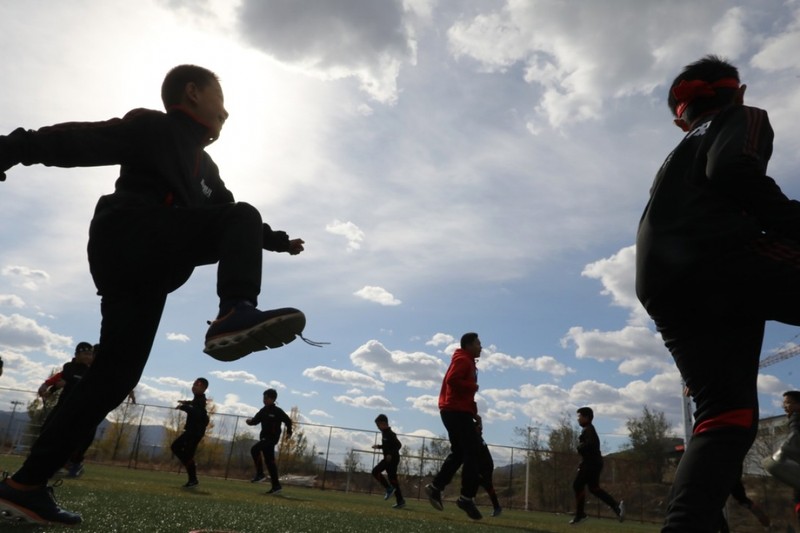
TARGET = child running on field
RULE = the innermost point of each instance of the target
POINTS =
(170, 212)
(390, 446)
(270, 417)
(185, 446)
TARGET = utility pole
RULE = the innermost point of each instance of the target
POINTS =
(15, 403)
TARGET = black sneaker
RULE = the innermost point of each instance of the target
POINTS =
(621, 511)
(497, 511)
(399, 505)
(36, 506)
(468, 506)
(579, 518)
(257, 478)
(245, 329)
(275, 490)
(434, 496)
(192, 483)
(388, 493)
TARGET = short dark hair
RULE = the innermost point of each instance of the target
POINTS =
(587, 412)
(381, 418)
(271, 393)
(204, 381)
(176, 79)
(793, 395)
(467, 339)
(710, 68)
(83, 347)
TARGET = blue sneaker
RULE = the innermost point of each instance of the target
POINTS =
(245, 329)
(36, 506)
(388, 493)
(434, 496)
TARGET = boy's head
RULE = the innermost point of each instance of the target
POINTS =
(199, 386)
(270, 395)
(382, 421)
(84, 353)
(705, 85)
(791, 401)
(198, 90)
(471, 344)
(585, 416)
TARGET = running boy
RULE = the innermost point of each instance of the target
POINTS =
(170, 212)
(717, 255)
(390, 446)
(460, 417)
(589, 470)
(270, 417)
(71, 374)
(185, 446)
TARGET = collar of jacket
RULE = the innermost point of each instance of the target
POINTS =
(187, 116)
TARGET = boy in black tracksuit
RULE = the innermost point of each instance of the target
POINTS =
(390, 446)
(270, 417)
(72, 373)
(717, 255)
(589, 470)
(185, 446)
(169, 213)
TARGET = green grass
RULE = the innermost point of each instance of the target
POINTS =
(114, 499)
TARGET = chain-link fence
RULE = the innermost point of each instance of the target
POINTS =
(339, 458)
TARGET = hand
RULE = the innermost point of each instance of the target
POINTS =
(288, 434)
(296, 246)
(376, 446)
(249, 421)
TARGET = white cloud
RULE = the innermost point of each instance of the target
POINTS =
(440, 339)
(179, 337)
(366, 402)
(416, 369)
(241, 376)
(425, 403)
(29, 278)
(11, 300)
(320, 413)
(348, 230)
(342, 377)
(377, 295)
(25, 334)
(494, 360)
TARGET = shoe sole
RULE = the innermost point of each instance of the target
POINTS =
(272, 333)
(14, 514)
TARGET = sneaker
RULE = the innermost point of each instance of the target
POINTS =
(399, 505)
(75, 470)
(388, 493)
(434, 496)
(257, 478)
(621, 511)
(36, 506)
(497, 511)
(245, 329)
(275, 490)
(468, 506)
(579, 518)
(192, 483)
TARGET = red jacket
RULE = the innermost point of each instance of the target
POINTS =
(460, 384)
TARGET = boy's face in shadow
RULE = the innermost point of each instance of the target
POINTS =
(208, 103)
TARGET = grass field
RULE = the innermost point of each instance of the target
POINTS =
(114, 499)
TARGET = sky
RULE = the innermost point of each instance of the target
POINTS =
(452, 167)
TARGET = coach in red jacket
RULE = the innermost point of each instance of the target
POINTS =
(460, 417)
